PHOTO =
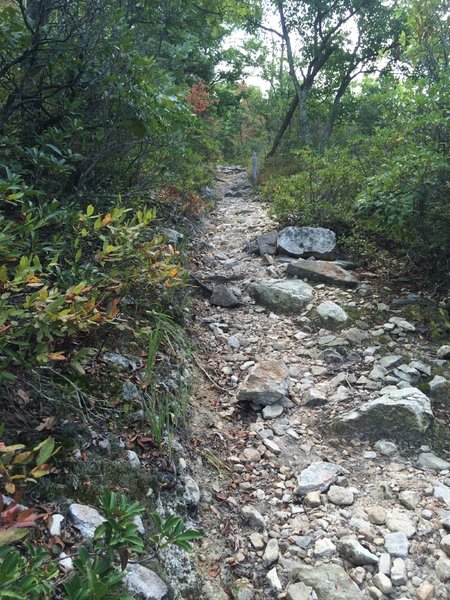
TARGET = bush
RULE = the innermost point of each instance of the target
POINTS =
(322, 192)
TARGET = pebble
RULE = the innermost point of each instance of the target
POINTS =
(383, 583)
(397, 544)
(355, 553)
(271, 553)
(398, 572)
(324, 548)
(340, 496)
(273, 580)
(376, 515)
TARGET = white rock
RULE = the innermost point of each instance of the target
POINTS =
(145, 582)
(397, 544)
(398, 572)
(273, 580)
(444, 352)
(54, 524)
(317, 477)
(86, 519)
(355, 553)
(383, 583)
(253, 517)
(340, 496)
(271, 553)
(133, 459)
(400, 521)
(428, 460)
(324, 548)
(330, 311)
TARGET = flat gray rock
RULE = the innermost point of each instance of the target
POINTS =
(267, 383)
(282, 296)
(223, 296)
(329, 581)
(429, 460)
(401, 413)
(306, 241)
(356, 554)
(322, 271)
(319, 476)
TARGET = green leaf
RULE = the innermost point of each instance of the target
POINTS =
(46, 450)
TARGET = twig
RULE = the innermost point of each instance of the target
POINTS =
(203, 370)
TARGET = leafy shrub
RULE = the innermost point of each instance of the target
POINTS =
(322, 192)
(96, 576)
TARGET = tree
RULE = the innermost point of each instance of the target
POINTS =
(338, 41)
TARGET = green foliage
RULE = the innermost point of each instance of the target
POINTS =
(172, 531)
(119, 533)
(20, 467)
(26, 577)
(320, 193)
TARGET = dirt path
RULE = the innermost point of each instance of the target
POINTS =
(378, 532)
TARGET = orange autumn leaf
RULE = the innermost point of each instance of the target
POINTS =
(106, 219)
(56, 356)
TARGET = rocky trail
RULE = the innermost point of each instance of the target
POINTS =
(309, 422)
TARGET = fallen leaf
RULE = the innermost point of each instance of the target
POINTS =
(47, 423)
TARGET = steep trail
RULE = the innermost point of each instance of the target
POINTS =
(380, 530)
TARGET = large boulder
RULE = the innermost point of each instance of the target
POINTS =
(329, 581)
(266, 383)
(323, 271)
(401, 414)
(282, 296)
(306, 241)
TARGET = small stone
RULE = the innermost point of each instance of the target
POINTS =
(191, 492)
(384, 565)
(272, 411)
(86, 519)
(312, 500)
(133, 459)
(385, 447)
(253, 517)
(271, 552)
(383, 583)
(340, 496)
(324, 548)
(409, 499)
(444, 352)
(428, 460)
(272, 446)
(273, 580)
(443, 569)
(250, 455)
(330, 311)
(355, 553)
(425, 591)
(65, 562)
(223, 296)
(54, 524)
(298, 591)
(233, 342)
(257, 541)
(376, 515)
(398, 572)
(445, 544)
(399, 521)
(317, 477)
(397, 544)
(145, 582)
